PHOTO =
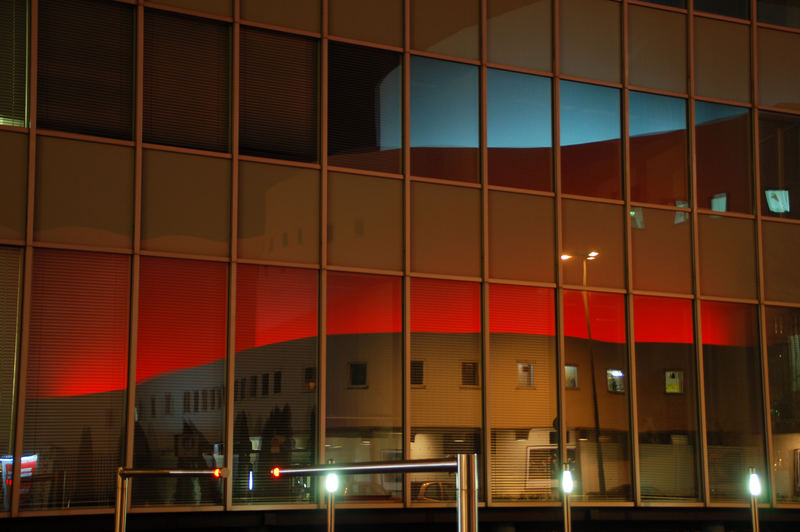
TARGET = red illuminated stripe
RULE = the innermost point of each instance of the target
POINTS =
(362, 304)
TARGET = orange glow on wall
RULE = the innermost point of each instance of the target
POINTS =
(445, 306)
(79, 323)
(182, 315)
(274, 305)
(521, 310)
(362, 304)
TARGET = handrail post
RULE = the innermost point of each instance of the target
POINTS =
(467, 492)
(123, 486)
(117, 505)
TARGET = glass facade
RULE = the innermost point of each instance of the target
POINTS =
(245, 240)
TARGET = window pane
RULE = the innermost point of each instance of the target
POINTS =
(85, 84)
(522, 392)
(657, 48)
(597, 417)
(727, 257)
(14, 185)
(186, 81)
(724, 179)
(783, 352)
(10, 305)
(276, 334)
(779, 12)
(365, 221)
(591, 156)
(365, 101)
(445, 415)
(300, 14)
(367, 20)
(519, 130)
(77, 369)
(779, 138)
(278, 105)
(521, 237)
(667, 404)
(590, 39)
(186, 203)
(520, 34)
(14, 61)
(592, 228)
(364, 380)
(278, 213)
(779, 68)
(734, 408)
(181, 350)
(444, 119)
(781, 261)
(448, 27)
(658, 149)
(662, 250)
(730, 8)
(722, 59)
(80, 203)
(445, 229)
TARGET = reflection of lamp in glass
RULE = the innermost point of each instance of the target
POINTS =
(754, 485)
(601, 476)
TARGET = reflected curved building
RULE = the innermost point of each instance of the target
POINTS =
(252, 234)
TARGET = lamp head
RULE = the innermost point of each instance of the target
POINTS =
(754, 483)
(567, 484)
(331, 482)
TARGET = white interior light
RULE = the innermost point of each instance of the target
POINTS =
(331, 482)
(250, 481)
(566, 481)
(755, 485)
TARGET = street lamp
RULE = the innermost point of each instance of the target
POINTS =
(588, 256)
(331, 485)
(754, 485)
(566, 487)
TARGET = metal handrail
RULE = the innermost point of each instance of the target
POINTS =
(465, 466)
(367, 467)
(124, 475)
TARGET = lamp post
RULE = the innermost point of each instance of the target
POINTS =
(591, 255)
(331, 485)
(754, 485)
(566, 488)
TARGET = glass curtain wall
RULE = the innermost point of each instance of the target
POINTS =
(596, 395)
(275, 386)
(445, 397)
(734, 421)
(521, 371)
(10, 303)
(364, 381)
(156, 234)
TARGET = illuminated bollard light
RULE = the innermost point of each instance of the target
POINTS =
(754, 485)
(566, 481)
(567, 485)
(331, 482)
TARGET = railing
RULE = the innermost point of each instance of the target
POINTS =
(465, 466)
(123, 481)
